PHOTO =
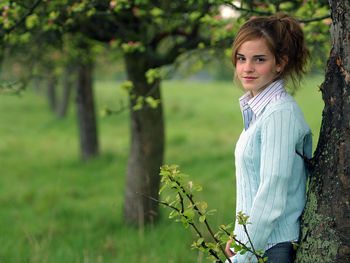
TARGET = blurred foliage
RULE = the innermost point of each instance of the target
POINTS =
(186, 34)
(42, 38)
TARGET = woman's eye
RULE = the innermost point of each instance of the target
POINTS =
(240, 58)
(260, 60)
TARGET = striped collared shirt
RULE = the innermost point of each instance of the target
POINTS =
(253, 107)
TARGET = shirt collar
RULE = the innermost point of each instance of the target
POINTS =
(259, 102)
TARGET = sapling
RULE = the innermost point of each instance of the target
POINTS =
(193, 213)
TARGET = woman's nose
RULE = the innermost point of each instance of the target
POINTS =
(248, 67)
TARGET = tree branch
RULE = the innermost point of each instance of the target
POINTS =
(301, 20)
(241, 243)
(313, 19)
(248, 10)
(250, 241)
(28, 13)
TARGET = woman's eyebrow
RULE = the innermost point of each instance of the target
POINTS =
(255, 56)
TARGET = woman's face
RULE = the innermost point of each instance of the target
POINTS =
(256, 66)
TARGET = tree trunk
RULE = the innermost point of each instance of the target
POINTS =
(51, 91)
(86, 111)
(147, 147)
(62, 106)
(37, 83)
(325, 235)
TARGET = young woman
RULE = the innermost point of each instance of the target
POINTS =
(270, 174)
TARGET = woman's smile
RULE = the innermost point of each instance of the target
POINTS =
(250, 78)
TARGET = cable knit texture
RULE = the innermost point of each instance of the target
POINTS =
(271, 177)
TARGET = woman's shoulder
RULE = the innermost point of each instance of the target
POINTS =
(285, 106)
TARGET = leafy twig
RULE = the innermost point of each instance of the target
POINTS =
(190, 198)
(203, 244)
(173, 180)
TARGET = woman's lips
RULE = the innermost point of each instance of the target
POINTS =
(250, 78)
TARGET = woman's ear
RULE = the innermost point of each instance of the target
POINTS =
(282, 64)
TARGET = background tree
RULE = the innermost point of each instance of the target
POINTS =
(150, 35)
(56, 56)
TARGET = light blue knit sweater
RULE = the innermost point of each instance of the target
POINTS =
(271, 177)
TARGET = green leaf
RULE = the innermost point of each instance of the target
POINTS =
(173, 185)
(152, 75)
(91, 12)
(237, 247)
(195, 15)
(153, 103)
(162, 188)
(211, 212)
(295, 245)
(201, 45)
(185, 222)
(156, 12)
(127, 86)
(202, 218)
(197, 187)
(32, 21)
(173, 214)
(242, 252)
(189, 213)
(194, 245)
(139, 103)
(199, 241)
(242, 219)
(53, 15)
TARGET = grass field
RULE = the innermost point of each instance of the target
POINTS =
(56, 209)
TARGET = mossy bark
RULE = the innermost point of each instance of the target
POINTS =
(325, 233)
(147, 145)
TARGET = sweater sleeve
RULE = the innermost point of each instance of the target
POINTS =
(279, 137)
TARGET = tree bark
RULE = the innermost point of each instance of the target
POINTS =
(147, 147)
(86, 111)
(62, 106)
(325, 235)
(37, 84)
(51, 91)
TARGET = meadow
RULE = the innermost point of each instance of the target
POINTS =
(55, 209)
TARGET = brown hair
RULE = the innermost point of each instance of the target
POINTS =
(284, 38)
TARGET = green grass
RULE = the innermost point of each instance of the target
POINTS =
(56, 209)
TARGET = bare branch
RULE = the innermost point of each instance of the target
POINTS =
(301, 20)
(248, 10)
(250, 241)
(313, 19)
